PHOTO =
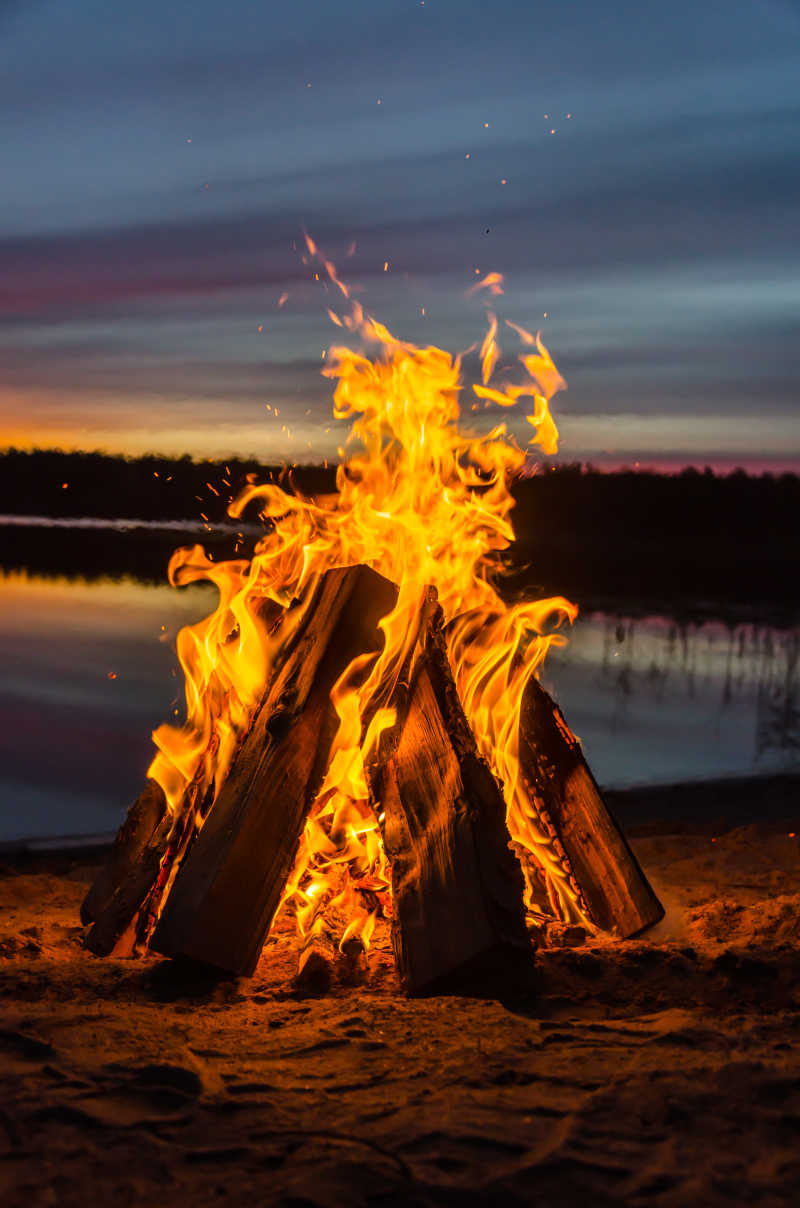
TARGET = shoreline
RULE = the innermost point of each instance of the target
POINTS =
(671, 810)
(649, 583)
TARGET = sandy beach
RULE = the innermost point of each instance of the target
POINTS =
(664, 1070)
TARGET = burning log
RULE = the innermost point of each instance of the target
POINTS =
(124, 899)
(328, 954)
(230, 882)
(144, 818)
(457, 888)
(117, 928)
(611, 885)
(126, 895)
(322, 962)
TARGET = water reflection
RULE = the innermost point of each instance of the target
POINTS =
(658, 701)
(89, 671)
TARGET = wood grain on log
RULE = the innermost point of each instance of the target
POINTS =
(229, 885)
(617, 895)
(458, 915)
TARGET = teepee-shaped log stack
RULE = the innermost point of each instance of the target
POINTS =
(210, 894)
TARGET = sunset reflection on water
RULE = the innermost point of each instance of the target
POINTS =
(89, 671)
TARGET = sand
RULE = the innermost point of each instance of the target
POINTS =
(664, 1070)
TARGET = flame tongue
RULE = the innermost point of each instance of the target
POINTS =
(424, 502)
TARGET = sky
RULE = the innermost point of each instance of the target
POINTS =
(631, 169)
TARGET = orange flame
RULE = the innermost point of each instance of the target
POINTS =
(423, 501)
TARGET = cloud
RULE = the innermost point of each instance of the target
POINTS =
(125, 277)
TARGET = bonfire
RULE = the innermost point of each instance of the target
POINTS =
(366, 739)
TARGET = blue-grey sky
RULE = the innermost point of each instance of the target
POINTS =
(632, 169)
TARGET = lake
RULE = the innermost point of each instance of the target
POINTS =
(89, 671)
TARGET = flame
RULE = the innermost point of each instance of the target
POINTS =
(425, 502)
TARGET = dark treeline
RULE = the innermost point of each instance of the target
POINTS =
(692, 535)
(597, 537)
(47, 482)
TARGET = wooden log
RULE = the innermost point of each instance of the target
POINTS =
(323, 962)
(124, 899)
(115, 931)
(144, 817)
(316, 964)
(615, 892)
(458, 914)
(229, 885)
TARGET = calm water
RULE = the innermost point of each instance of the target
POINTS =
(88, 671)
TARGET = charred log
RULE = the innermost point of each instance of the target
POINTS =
(125, 897)
(116, 928)
(614, 890)
(229, 885)
(458, 916)
(144, 817)
(326, 956)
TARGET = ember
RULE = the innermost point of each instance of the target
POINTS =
(365, 735)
